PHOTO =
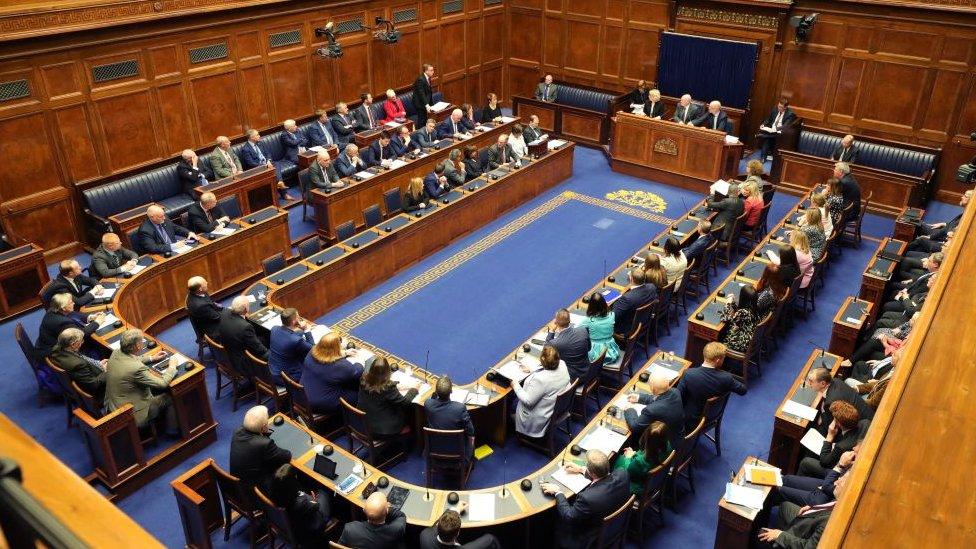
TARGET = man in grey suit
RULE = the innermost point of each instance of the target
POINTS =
(572, 343)
(323, 174)
(546, 90)
(728, 210)
(686, 112)
(501, 153)
(223, 160)
(110, 258)
(129, 381)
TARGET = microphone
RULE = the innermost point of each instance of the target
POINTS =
(820, 357)
(301, 421)
(604, 274)
(684, 204)
(504, 476)
(427, 361)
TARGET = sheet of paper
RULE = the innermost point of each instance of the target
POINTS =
(478, 399)
(251, 298)
(116, 344)
(392, 124)
(365, 174)
(481, 507)
(800, 410)
(813, 441)
(622, 404)
(362, 356)
(666, 372)
(137, 269)
(603, 439)
(555, 143)
(721, 187)
(224, 231)
(318, 331)
(575, 482)
(107, 293)
(272, 321)
(482, 128)
(180, 248)
(507, 119)
(317, 148)
(576, 319)
(744, 495)
(422, 393)
(773, 256)
(513, 371)
(757, 474)
(852, 320)
(459, 394)
(109, 318)
(397, 164)
(731, 139)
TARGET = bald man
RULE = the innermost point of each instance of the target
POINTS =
(384, 528)
(500, 153)
(111, 259)
(223, 160)
(662, 404)
(847, 151)
(157, 234)
(189, 171)
(686, 112)
(204, 311)
(714, 119)
(349, 161)
(452, 126)
(206, 216)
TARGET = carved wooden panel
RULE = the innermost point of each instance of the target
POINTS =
(582, 50)
(31, 167)
(217, 108)
(452, 58)
(257, 105)
(61, 80)
(130, 135)
(175, 112)
(352, 76)
(524, 37)
(76, 137)
(290, 89)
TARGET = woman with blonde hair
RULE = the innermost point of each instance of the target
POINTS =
(755, 172)
(328, 375)
(752, 203)
(812, 225)
(654, 272)
(804, 257)
(416, 196)
(819, 201)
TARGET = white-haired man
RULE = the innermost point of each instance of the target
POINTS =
(158, 234)
(206, 216)
(237, 335)
(223, 160)
(203, 310)
(189, 171)
(687, 111)
(129, 381)
(254, 457)
(452, 126)
(714, 119)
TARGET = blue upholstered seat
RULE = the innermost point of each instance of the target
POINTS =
(874, 155)
(161, 185)
(583, 98)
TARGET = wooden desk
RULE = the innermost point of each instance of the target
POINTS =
(850, 319)
(366, 138)
(906, 223)
(565, 121)
(347, 204)
(306, 158)
(738, 526)
(255, 189)
(785, 449)
(874, 281)
(23, 273)
(685, 156)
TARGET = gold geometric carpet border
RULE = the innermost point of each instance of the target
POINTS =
(617, 207)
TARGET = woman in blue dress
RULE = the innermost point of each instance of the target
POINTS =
(599, 321)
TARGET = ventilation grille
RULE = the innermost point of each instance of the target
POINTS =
(492, 2)
(115, 71)
(15, 89)
(212, 52)
(452, 6)
(405, 16)
(349, 25)
(282, 39)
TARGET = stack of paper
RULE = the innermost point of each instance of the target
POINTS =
(575, 482)
(478, 399)
(180, 248)
(576, 319)
(731, 139)
(397, 164)
(773, 256)
(622, 404)
(107, 293)
(507, 119)
(439, 106)
(272, 321)
(392, 124)
(361, 356)
(363, 175)
(459, 394)
(317, 148)
(800, 410)
(721, 187)
(664, 371)
(513, 371)
(603, 439)
(223, 231)
(555, 143)
(116, 344)
(421, 393)
(482, 128)
(481, 507)
(743, 495)
(137, 269)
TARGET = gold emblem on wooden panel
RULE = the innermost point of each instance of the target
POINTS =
(640, 199)
(723, 16)
(666, 145)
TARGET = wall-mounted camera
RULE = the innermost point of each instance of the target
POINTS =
(803, 25)
(333, 50)
(385, 32)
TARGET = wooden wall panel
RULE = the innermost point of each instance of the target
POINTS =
(127, 124)
(353, 74)
(174, 109)
(216, 104)
(290, 88)
(74, 128)
(257, 101)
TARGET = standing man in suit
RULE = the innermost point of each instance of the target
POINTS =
(580, 522)
(203, 310)
(206, 216)
(344, 125)
(830, 389)
(254, 457)
(293, 141)
(323, 174)
(58, 318)
(393, 107)
(111, 259)
(364, 113)
(572, 343)
(83, 289)
(501, 153)
(849, 189)
(381, 152)
(423, 93)
(290, 344)
(435, 183)
(654, 107)
(189, 171)
(663, 404)
(704, 240)
(452, 127)
(625, 308)
(686, 112)
(729, 209)
(349, 162)
(223, 160)
(129, 381)
(444, 533)
(447, 415)
(781, 115)
(546, 90)
(403, 142)
(87, 372)
(531, 132)
(237, 335)
(426, 137)
(319, 133)
(158, 233)
(803, 526)
(252, 156)
(847, 151)
(698, 385)
(384, 528)
(714, 119)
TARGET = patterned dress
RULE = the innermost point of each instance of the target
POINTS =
(741, 327)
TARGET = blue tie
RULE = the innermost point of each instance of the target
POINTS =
(261, 158)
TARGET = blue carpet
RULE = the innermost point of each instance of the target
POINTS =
(515, 285)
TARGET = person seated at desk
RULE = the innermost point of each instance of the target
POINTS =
(110, 259)
(781, 115)
(843, 433)
(572, 344)
(847, 151)
(252, 156)
(204, 312)
(536, 394)
(415, 198)
(289, 345)
(819, 201)
(911, 273)
(531, 132)
(363, 114)
(329, 375)
(87, 372)
(740, 318)
(850, 190)
(157, 234)
(697, 385)
(189, 171)
(472, 163)
(714, 119)
(452, 127)
(662, 404)
(58, 318)
(447, 415)
(835, 200)
(501, 153)
(802, 527)
(654, 449)
(223, 160)
(728, 208)
(580, 522)
(939, 231)
(454, 168)
(640, 93)
(393, 107)
(815, 490)
(206, 216)
(426, 137)
(384, 528)
(385, 407)
(344, 125)
(403, 142)
(237, 335)
(770, 290)
(517, 142)
(654, 107)
(381, 152)
(704, 240)
(546, 90)
(445, 532)
(654, 273)
(600, 322)
(349, 162)
(686, 112)
(904, 305)
(754, 174)
(812, 225)
(625, 307)
(322, 173)
(800, 245)
(833, 389)
(435, 183)
(320, 133)
(308, 513)
(752, 204)
(292, 140)
(83, 289)
(467, 120)
(129, 381)
(254, 456)
(492, 112)
(674, 262)
(788, 266)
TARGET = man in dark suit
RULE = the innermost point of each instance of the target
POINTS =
(697, 385)
(572, 343)
(323, 174)
(580, 522)
(843, 434)
(252, 156)
(939, 231)
(423, 93)
(344, 125)
(847, 151)
(111, 259)
(704, 240)
(781, 115)
(290, 344)
(384, 528)
(158, 234)
(654, 107)
(802, 527)
(364, 113)
(813, 490)
(849, 189)
(203, 310)
(254, 457)
(237, 335)
(87, 372)
(500, 153)
(729, 208)
(531, 132)
(663, 404)
(403, 142)
(830, 389)
(435, 183)
(188, 170)
(546, 90)
(452, 126)
(292, 141)
(206, 216)
(320, 132)
(58, 318)
(83, 289)
(714, 119)
(381, 152)
(625, 307)
(444, 533)
(426, 137)
(349, 162)
(686, 112)
(445, 414)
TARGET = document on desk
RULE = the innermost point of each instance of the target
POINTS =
(852, 320)
(575, 482)
(106, 293)
(664, 371)
(439, 106)
(459, 394)
(513, 371)
(555, 144)
(397, 163)
(507, 119)
(773, 256)
(746, 496)
(117, 344)
(364, 175)
(576, 319)
(421, 393)
(765, 476)
(813, 441)
(392, 124)
(721, 187)
(603, 439)
(622, 404)
(361, 356)
(477, 399)
(224, 231)
(482, 128)
(109, 319)
(251, 298)
(137, 269)
(318, 331)
(481, 507)
(271, 321)
(180, 248)
(731, 139)
(800, 410)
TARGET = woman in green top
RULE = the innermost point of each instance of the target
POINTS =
(599, 321)
(655, 448)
